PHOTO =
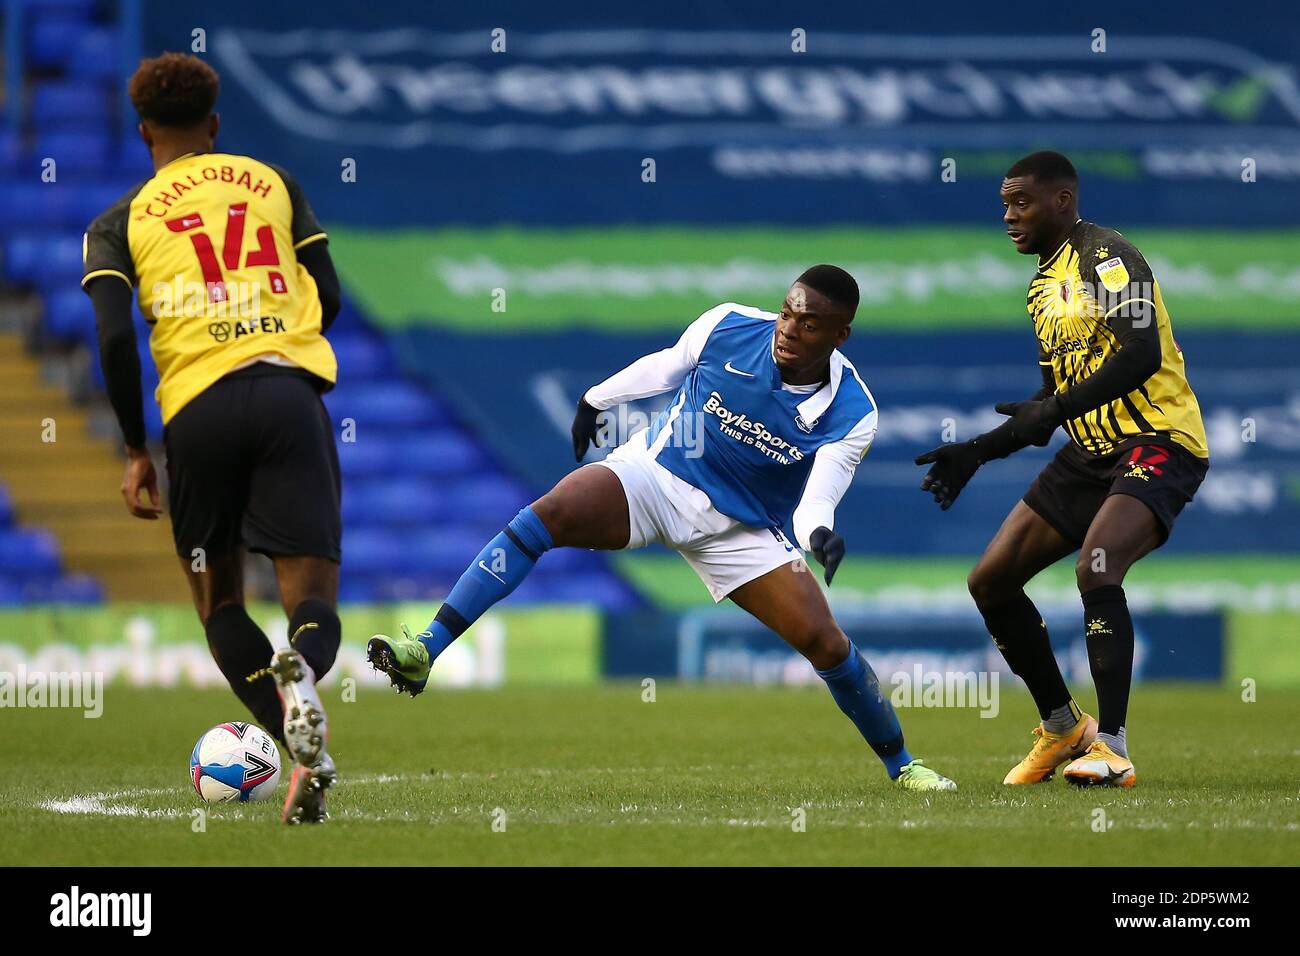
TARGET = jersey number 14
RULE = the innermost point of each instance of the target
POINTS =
(232, 248)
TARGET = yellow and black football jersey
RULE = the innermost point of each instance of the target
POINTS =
(1073, 297)
(210, 242)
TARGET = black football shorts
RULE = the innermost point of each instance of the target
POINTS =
(252, 460)
(1070, 491)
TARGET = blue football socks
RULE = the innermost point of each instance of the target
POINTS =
(494, 573)
(856, 690)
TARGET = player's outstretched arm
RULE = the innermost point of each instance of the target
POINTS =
(649, 375)
(954, 465)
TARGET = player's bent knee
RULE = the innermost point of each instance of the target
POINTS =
(1089, 574)
(988, 587)
(825, 646)
(554, 516)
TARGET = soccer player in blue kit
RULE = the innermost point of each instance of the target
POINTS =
(783, 420)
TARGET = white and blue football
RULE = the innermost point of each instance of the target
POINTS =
(235, 761)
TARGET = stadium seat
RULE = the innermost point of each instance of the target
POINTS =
(96, 54)
(398, 503)
(68, 589)
(59, 104)
(10, 151)
(69, 316)
(369, 551)
(446, 452)
(29, 256)
(11, 593)
(361, 357)
(78, 151)
(27, 553)
(391, 405)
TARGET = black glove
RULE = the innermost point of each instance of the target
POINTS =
(828, 549)
(1033, 422)
(584, 429)
(952, 466)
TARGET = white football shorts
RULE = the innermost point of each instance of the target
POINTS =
(661, 507)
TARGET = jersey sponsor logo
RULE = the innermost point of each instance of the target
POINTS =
(736, 371)
(1113, 274)
(739, 426)
(225, 331)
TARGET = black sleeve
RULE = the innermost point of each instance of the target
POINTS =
(305, 225)
(118, 356)
(1125, 293)
(104, 248)
(315, 258)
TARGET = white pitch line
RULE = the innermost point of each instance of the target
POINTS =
(110, 804)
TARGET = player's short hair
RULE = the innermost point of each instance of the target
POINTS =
(174, 89)
(1046, 166)
(834, 283)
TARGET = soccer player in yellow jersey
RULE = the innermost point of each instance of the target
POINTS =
(235, 280)
(1113, 377)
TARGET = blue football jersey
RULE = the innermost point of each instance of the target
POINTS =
(735, 433)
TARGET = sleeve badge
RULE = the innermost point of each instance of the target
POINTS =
(1113, 274)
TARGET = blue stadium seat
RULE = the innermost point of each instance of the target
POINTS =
(10, 150)
(492, 494)
(28, 256)
(11, 593)
(444, 551)
(399, 502)
(71, 589)
(62, 103)
(27, 202)
(78, 151)
(369, 551)
(375, 457)
(96, 54)
(131, 161)
(447, 452)
(391, 405)
(360, 357)
(27, 553)
(69, 316)
(353, 589)
(89, 201)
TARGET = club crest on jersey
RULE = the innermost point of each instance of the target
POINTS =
(1113, 274)
(802, 425)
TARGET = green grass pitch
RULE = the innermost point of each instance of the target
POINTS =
(702, 775)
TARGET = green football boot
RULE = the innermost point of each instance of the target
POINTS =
(917, 776)
(404, 659)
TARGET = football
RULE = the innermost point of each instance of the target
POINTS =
(235, 761)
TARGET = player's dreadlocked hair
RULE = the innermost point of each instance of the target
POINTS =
(834, 283)
(174, 89)
(1046, 166)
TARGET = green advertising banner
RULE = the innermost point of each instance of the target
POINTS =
(639, 279)
(152, 645)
